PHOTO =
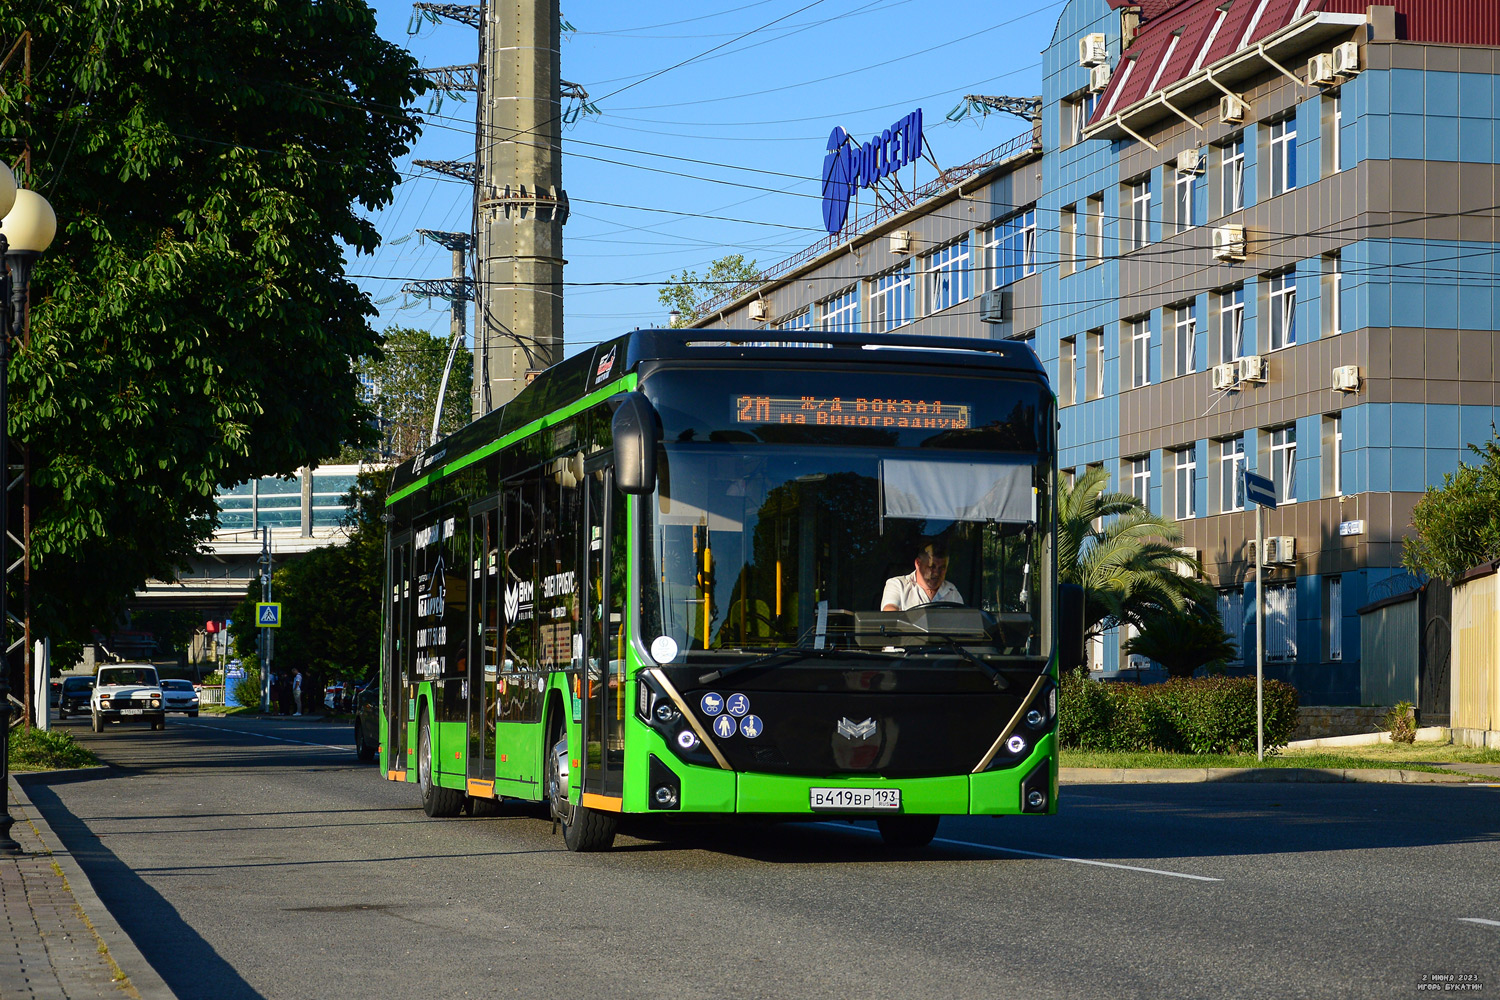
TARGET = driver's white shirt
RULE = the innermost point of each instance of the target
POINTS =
(906, 593)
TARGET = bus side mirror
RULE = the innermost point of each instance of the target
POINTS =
(636, 439)
(1069, 627)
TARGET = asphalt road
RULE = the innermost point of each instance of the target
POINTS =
(257, 858)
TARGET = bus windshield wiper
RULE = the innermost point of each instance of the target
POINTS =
(787, 654)
(953, 641)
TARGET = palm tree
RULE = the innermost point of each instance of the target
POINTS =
(1183, 641)
(1122, 555)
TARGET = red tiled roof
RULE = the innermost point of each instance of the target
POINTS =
(1229, 26)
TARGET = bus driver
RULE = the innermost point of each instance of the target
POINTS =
(926, 584)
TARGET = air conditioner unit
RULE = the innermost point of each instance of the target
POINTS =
(758, 310)
(1252, 368)
(1346, 378)
(1098, 78)
(1092, 49)
(1281, 549)
(992, 306)
(1346, 59)
(901, 241)
(1229, 242)
(1226, 376)
(1185, 567)
(1320, 69)
(1190, 161)
(1231, 110)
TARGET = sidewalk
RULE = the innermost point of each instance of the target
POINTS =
(57, 941)
(1461, 774)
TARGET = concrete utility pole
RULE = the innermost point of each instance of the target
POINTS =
(520, 205)
(460, 244)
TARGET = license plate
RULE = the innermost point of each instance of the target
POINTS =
(876, 799)
(132, 711)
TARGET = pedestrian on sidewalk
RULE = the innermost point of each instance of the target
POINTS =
(297, 691)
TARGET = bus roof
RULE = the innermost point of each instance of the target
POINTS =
(603, 368)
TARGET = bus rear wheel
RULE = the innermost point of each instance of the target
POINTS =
(584, 829)
(907, 833)
(437, 801)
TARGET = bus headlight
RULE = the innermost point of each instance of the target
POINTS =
(1015, 744)
(1036, 799)
(666, 713)
(1034, 718)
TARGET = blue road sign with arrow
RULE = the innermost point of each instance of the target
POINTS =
(1260, 490)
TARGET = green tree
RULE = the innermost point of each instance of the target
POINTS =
(1182, 641)
(1458, 523)
(686, 291)
(211, 163)
(1122, 555)
(404, 379)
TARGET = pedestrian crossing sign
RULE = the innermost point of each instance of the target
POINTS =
(268, 615)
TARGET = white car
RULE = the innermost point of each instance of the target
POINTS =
(127, 690)
(179, 696)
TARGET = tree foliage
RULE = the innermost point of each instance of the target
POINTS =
(1122, 554)
(686, 292)
(330, 599)
(210, 163)
(1458, 523)
(404, 379)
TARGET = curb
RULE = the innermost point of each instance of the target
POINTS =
(138, 972)
(1266, 775)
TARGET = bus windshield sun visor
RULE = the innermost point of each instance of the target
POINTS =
(920, 489)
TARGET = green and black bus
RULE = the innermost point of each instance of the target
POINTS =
(655, 583)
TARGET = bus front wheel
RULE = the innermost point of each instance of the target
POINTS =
(436, 800)
(584, 829)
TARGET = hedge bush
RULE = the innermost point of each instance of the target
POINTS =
(38, 750)
(1184, 715)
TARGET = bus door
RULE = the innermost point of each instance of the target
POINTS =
(398, 649)
(604, 651)
(484, 636)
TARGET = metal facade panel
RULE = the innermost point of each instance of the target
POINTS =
(1451, 22)
(1389, 666)
(1476, 655)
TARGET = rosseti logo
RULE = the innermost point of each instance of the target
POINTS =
(848, 164)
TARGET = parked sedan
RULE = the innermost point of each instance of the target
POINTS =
(180, 696)
(75, 696)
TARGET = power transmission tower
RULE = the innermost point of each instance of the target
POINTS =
(519, 202)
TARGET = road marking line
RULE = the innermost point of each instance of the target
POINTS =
(1051, 857)
(1480, 920)
(264, 736)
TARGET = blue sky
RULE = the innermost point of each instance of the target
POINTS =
(746, 116)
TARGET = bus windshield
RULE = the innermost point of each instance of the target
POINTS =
(756, 547)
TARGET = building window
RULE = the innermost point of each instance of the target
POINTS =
(796, 321)
(891, 299)
(1067, 371)
(1281, 623)
(1282, 298)
(1283, 156)
(1140, 351)
(1011, 251)
(1138, 470)
(840, 314)
(1232, 615)
(1182, 201)
(1231, 459)
(1332, 122)
(1185, 483)
(1094, 237)
(948, 276)
(1067, 234)
(1333, 455)
(1332, 294)
(1232, 176)
(1139, 233)
(1284, 462)
(1185, 339)
(1069, 477)
(1093, 364)
(1231, 313)
(1333, 616)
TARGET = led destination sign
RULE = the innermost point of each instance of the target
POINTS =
(836, 411)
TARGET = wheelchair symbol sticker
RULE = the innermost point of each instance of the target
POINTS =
(738, 705)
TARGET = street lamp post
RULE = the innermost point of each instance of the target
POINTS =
(27, 225)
